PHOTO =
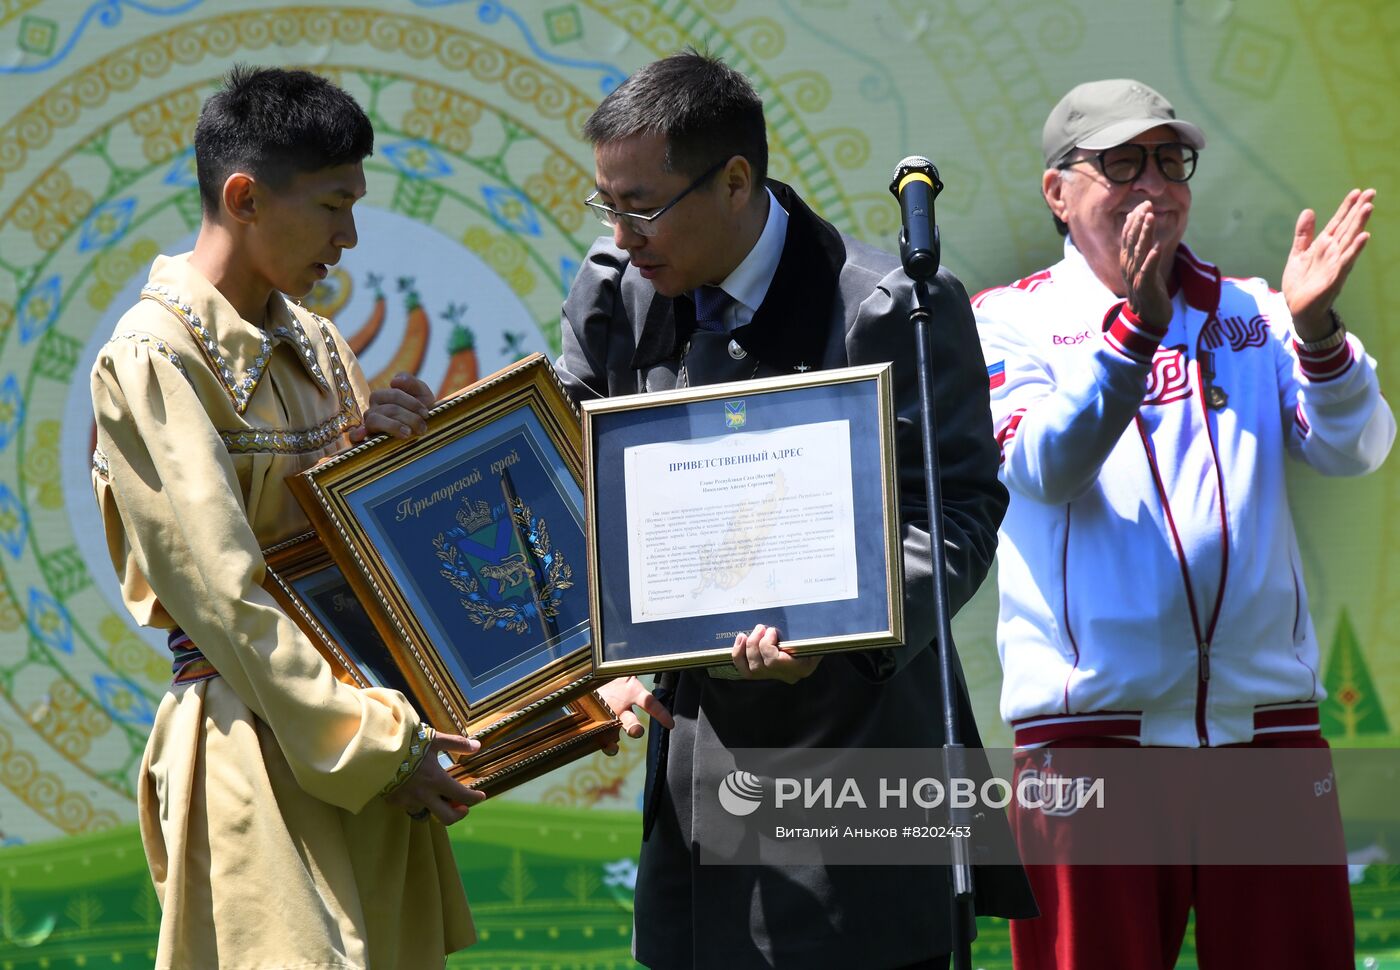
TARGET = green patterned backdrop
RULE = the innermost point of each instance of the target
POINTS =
(474, 215)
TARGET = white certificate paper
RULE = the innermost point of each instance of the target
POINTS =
(740, 522)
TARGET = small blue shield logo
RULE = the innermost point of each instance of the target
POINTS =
(734, 415)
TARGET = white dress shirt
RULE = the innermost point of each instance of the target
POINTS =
(748, 284)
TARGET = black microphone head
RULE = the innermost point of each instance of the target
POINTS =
(912, 164)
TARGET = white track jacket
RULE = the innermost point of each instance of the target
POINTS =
(1150, 581)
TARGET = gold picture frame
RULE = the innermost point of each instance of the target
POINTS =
(771, 500)
(304, 579)
(311, 589)
(465, 547)
(569, 731)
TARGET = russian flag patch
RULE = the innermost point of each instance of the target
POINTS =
(996, 374)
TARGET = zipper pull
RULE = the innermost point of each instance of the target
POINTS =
(1203, 665)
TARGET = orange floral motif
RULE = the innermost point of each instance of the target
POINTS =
(166, 126)
(505, 254)
(131, 656)
(46, 794)
(41, 465)
(115, 267)
(52, 208)
(561, 188)
(441, 116)
(67, 720)
(250, 31)
(596, 779)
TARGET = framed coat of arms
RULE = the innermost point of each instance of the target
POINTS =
(465, 547)
(312, 590)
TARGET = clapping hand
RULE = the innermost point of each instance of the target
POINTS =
(1140, 257)
(1318, 264)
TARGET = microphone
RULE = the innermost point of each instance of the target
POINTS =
(915, 184)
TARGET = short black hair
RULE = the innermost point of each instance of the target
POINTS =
(274, 124)
(707, 111)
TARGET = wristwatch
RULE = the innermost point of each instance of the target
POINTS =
(1332, 340)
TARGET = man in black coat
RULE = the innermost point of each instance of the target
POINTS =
(714, 273)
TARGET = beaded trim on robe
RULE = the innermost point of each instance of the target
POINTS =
(160, 345)
(239, 389)
(284, 442)
(296, 336)
(99, 460)
(417, 751)
(277, 441)
(262, 440)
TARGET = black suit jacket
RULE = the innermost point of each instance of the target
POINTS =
(833, 302)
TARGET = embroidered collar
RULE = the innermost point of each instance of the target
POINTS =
(291, 331)
(789, 329)
(236, 350)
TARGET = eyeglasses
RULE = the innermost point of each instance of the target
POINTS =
(645, 225)
(1125, 163)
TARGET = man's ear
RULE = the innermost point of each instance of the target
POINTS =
(239, 197)
(737, 178)
(1052, 186)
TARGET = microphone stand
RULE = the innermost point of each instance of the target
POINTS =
(955, 756)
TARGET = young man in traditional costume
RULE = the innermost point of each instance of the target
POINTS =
(288, 819)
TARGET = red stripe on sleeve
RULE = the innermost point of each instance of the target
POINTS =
(1325, 365)
(1126, 333)
(1007, 431)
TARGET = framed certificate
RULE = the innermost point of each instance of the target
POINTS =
(309, 586)
(465, 547)
(715, 508)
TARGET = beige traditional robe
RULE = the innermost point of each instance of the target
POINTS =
(259, 807)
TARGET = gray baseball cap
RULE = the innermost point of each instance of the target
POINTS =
(1101, 114)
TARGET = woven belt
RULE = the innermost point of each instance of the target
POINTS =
(187, 664)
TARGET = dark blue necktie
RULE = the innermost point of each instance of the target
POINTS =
(710, 304)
